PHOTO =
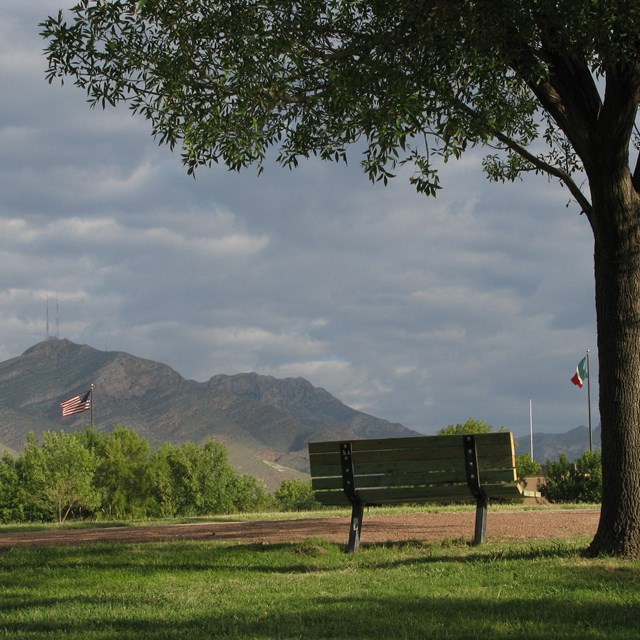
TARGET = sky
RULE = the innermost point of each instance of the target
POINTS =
(478, 303)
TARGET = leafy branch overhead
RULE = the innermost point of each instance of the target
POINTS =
(411, 82)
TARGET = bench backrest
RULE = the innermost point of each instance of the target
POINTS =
(415, 469)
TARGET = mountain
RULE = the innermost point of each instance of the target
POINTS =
(549, 446)
(264, 422)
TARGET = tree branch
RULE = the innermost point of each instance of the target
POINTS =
(557, 172)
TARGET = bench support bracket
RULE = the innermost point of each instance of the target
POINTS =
(349, 487)
(481, 521)
(473, 482)
(354, 529)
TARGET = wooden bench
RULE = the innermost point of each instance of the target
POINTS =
(416, 470)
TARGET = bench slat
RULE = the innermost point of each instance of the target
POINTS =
(388, 466)
(420, 495)
(402, 495)
(402, 478)
(484, 440)
(414, 453)
(334, 468)
(436, 457)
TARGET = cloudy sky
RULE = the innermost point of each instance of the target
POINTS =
(421, 311)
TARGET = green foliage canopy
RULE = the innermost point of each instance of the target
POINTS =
(408, 81)
(470, 426)
(11, 507)
(123, 474)
(59, 473)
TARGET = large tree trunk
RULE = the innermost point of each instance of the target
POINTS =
(616, 224)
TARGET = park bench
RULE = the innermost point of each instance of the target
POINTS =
(416, 470)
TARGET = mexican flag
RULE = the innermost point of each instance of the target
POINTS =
(581, 374)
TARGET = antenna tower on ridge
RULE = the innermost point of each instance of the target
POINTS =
(49, 336)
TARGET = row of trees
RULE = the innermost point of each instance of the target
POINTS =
(117, 475)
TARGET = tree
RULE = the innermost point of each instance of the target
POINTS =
(162, 482)
(249, 494)
(31, 471)
(470, 426)
(179, 479)
(11, 508)
(59, 473)
(547, 86)
(190, 479)
(123, 474)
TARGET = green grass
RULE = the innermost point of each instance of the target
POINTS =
(312, 590)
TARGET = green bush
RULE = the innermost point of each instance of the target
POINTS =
(580, 481)
(526, 466)
(296, 495)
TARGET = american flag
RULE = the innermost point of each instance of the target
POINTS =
(77, 404)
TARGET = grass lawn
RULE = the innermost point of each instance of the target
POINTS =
(197, 590)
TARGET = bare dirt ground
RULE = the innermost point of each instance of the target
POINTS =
(501, 526)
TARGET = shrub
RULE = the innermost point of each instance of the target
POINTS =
(296, 495)
(577, 482)
(526, 466)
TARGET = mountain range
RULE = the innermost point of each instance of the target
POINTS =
(264, 422)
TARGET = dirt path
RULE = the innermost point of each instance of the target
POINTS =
(517, 525)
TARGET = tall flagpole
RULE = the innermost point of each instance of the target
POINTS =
(91, 405)
(531, 424)
(589, 402)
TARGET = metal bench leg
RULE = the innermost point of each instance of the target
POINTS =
(357, 511)
(481, 520)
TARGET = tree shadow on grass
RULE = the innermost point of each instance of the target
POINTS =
(354, 617)
(313, 555)
(385, 591)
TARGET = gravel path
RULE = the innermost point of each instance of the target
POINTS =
(501, 525)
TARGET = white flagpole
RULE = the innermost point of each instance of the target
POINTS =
(531, 424)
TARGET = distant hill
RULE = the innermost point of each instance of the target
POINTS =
(549, 446)
(264, 422)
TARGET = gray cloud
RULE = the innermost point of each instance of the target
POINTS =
(422, 311)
